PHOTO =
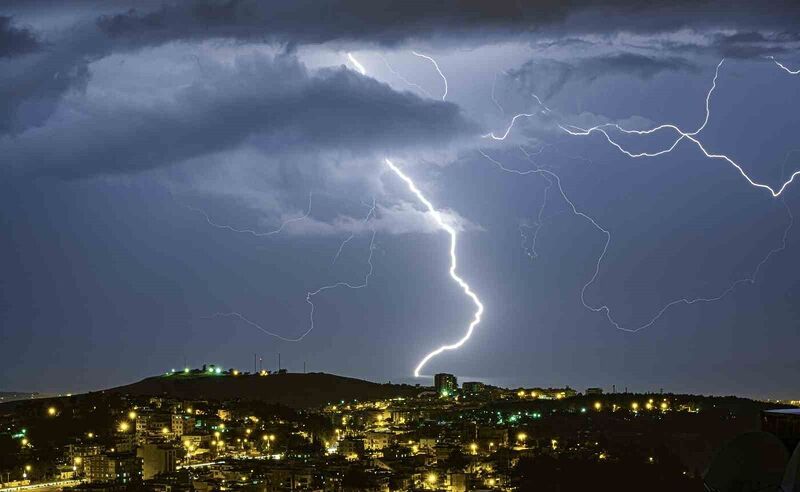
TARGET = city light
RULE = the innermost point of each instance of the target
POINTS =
(131, 415)
(432, 478)
(634, 406)
(598, 406)
(51, 411)
(124, 426)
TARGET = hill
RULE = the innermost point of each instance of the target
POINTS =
(293, 390)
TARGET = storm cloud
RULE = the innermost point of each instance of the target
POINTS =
(14, 40)
(271, 101)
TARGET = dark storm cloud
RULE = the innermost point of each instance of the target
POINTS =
(31, 86)
(14, 40)
(753, 44)
(548, 77)
(272, 99)
(394, 21)
(28, 93)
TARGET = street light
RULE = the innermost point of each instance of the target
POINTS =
(51, 411)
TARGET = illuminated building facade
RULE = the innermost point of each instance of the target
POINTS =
(446, 384)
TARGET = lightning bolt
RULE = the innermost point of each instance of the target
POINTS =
(514, 119)
(436, 66)
(253, 232)
(309, 295)
(405, 80)
(453, 259)
(365, 283)
(453, 264)
(531, 251)
(353, 234)
(494, 100)
(784, 67)
(357, 64)
(682, 135)
(749, 279)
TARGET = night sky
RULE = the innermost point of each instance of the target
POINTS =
(158, 161)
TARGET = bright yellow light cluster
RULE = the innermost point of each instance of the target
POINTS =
(51, 411)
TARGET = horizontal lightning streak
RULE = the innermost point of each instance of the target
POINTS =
(252, 232)
(691, 136)
(453, 264)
